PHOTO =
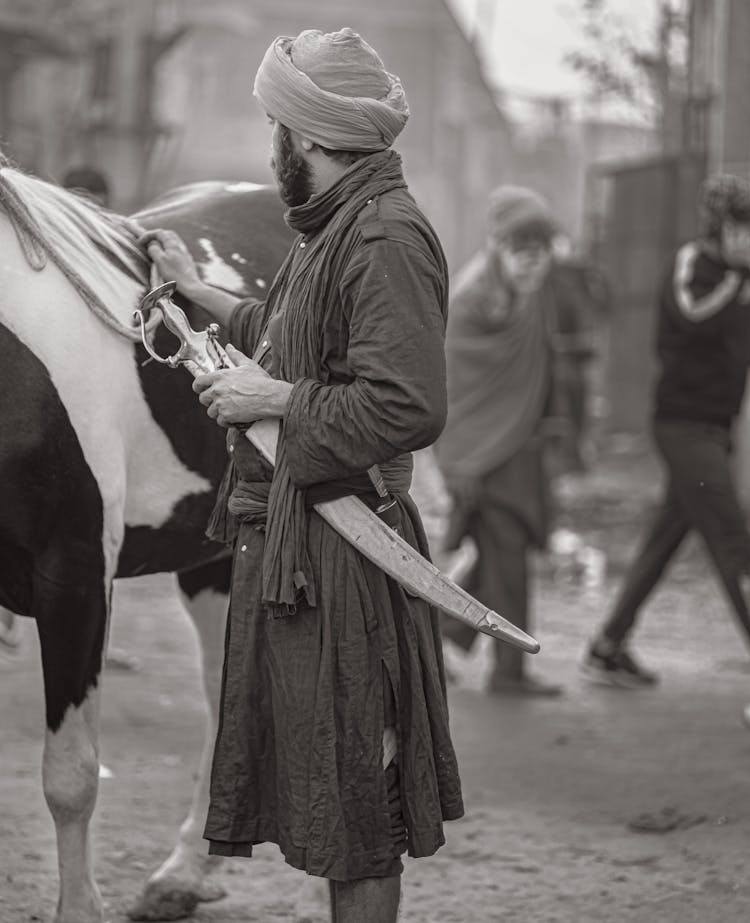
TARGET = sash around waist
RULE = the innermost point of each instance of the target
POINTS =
(248, 502)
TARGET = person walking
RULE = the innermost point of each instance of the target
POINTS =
(333, 740)
(502, 354)
(703, 349)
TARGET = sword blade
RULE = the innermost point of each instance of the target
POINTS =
(359, 525)
(349, 516)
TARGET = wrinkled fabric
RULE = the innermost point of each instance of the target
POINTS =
(297, 302)
(498, 371)
(322, 86)
(306, 698)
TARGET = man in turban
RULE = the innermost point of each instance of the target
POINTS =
(501, 345)
(333, 739)
(703, 349)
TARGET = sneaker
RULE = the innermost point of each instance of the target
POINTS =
(616, 668)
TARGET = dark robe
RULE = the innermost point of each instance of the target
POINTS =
(306, 697)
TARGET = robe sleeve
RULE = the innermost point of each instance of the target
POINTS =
(393, 296)
(244, 327)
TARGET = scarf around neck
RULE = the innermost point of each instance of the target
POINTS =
(304, 291)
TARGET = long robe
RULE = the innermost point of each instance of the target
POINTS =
(306, 697)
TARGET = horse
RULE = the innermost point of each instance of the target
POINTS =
(109, 468)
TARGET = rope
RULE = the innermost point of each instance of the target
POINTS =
(36, 250)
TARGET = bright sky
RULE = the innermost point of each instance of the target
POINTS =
(529, 39)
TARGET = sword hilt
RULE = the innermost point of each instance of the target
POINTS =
(200, 350)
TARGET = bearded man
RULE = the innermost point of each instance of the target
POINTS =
(504, 349)
(333, 740)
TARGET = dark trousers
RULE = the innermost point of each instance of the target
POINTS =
(499, 579)
(700, 495)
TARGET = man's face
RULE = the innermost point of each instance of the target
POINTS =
(735, 242)
(291, 170)
(524, 263)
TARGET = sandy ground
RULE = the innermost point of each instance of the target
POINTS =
(550, 786)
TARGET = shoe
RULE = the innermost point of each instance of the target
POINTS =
(616, 668)
(523, 687)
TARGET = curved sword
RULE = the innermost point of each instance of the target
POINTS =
(200, 352)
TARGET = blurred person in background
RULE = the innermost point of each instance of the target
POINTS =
(334, 740)
(703, 349)
(581, 298)
(504, 353)
(88, 181)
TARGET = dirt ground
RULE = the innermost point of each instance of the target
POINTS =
(550, 786)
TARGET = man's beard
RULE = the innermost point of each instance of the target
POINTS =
(292, 172)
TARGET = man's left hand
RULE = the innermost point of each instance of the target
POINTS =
(242, 394)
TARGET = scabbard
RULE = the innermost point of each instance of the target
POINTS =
(379, 543)
(359, 525)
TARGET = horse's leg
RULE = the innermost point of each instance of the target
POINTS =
(174, 890)
(71, 619)
(70, 772)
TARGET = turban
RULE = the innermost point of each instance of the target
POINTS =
(723, 196)
(513, 207)
(333, 89)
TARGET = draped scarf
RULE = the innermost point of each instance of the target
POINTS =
(498, 360)
(305, 290)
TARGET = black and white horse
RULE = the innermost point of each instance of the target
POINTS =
(108, 468)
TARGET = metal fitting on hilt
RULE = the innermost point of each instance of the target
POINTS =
(200, 350)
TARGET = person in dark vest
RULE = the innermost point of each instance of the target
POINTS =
(703, 349)
(504, 350)
(333, 740)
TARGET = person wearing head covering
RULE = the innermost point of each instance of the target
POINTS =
(703, 349)
(333, 739)
(500, 348)
(88, 181)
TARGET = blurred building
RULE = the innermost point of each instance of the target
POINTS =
(556, 143)
(158, 92)
(718, 116)
(640, 209)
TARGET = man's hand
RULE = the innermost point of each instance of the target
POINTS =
(175, 264)
(173, 260)
(242, 394)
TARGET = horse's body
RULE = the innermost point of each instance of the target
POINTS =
(109, 468)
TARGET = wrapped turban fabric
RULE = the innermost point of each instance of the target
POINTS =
(333, 89)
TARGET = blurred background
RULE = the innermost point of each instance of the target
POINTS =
(614, 109)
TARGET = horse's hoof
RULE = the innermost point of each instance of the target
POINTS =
(162, 900)
(209, 891)
(167, 905)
